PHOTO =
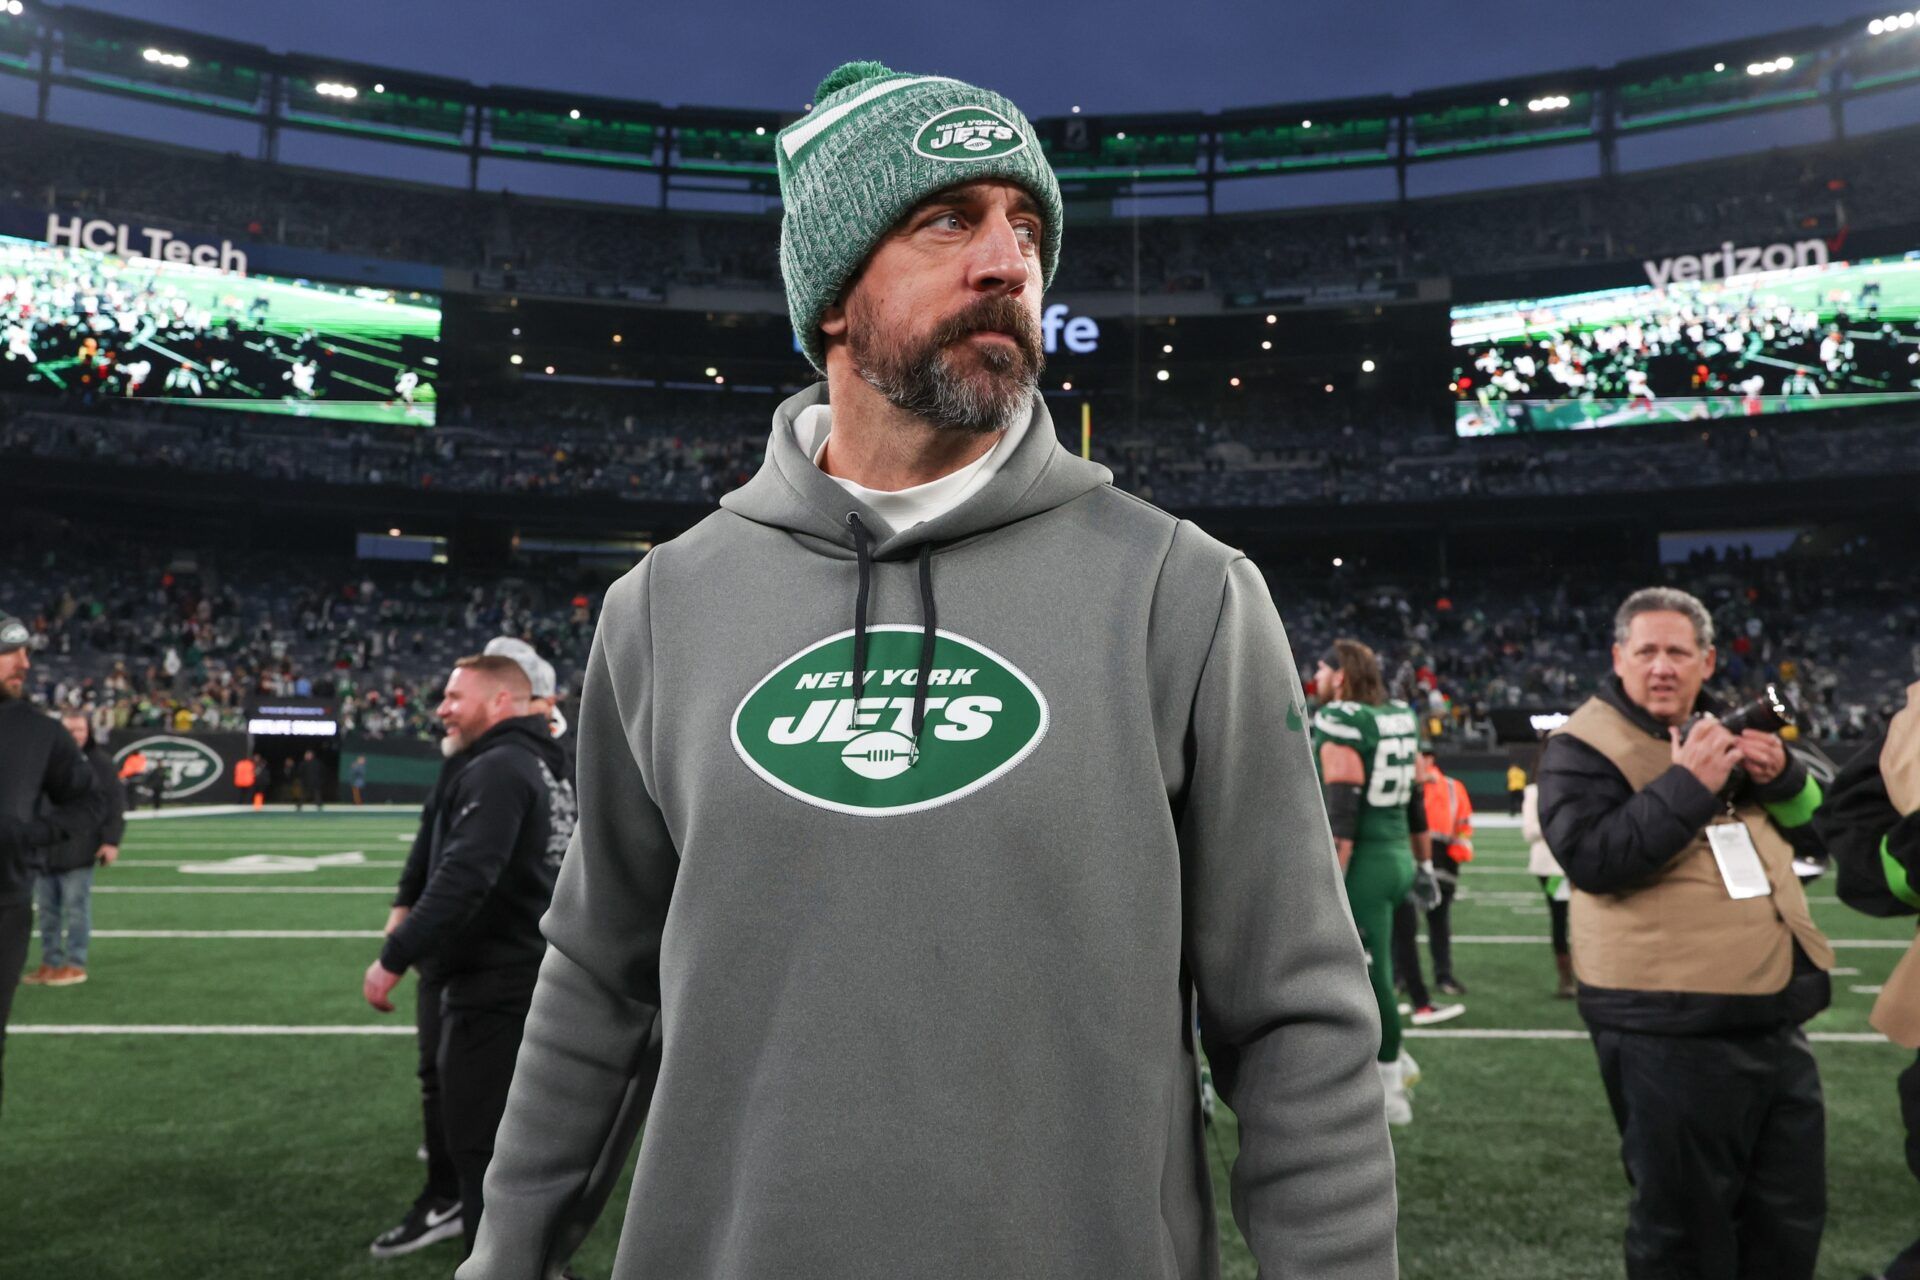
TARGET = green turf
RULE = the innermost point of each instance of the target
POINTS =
(174, 1156)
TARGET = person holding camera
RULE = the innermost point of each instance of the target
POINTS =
(1871, 825)
(1695, 955)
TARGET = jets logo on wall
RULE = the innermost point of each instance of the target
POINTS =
(968, 133)
(804, 728)
(190, 766)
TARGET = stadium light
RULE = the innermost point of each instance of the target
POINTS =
(15, 8)
(1163, 375)
(1505, 101)
(1877, 27)
(1719, 66)
(549, 368)
(178, 61)
(1166, 349)
(1329, 388)
(759, 131)
(1122, 135)
(1337, 562)
(513, 359)
(1076, 111)
(393, 533)
(574, 114)
(1306, 124)
(1367, 366)
(1272, 319)
(711, 371)
(719, 381)
(334, 89)
(616, 337)
(1067, 386)
(1233, 382)
(1267, 345)
(379, 88)
(1553, 102)
(1908, 19)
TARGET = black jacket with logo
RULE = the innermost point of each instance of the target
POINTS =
(1608, 838)
(37, 759)
(498, 830)
(101, 820)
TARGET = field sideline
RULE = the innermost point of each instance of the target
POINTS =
(218, 1101)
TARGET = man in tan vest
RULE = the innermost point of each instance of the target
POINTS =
(1871, 825)
(1695, 954)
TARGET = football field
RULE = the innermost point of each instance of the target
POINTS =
(218, 1101)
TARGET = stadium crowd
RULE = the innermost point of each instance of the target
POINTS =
(185, 642)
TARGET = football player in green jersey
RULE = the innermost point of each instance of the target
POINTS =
(1367, 748)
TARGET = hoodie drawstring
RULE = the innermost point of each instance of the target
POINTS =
(863, 553)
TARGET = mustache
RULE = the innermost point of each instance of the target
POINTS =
(995, 314)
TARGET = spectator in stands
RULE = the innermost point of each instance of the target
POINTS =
(63, 896)
(1669, 828)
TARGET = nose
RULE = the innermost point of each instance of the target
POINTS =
(998, 263)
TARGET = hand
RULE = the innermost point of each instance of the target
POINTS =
(395, 918)
(378, 985)
(108, 854)
(1763, 754)
(1426, 886)
(1709, 753)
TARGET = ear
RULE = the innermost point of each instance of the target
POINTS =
(833, 320)
(1712, 657)
(1617, 661)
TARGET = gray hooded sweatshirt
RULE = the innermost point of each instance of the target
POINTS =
(926, 954)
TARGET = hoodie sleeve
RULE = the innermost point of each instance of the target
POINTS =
(583, 1081)
(1286, 1014)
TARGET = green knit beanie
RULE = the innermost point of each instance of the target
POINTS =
(876, 144)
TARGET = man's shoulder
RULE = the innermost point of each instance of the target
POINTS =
(1345, 721)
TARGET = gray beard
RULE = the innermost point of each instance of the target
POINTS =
(452, 744)
(946, 400)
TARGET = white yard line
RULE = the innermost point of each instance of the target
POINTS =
(1563, 1033)
(238, 933)
(1877, 944)
(247, 810)
(188, 1029)
(278, 888)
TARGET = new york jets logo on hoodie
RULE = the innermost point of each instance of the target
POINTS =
(808, 730)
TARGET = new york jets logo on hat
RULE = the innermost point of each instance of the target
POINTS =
(808, 731)
(968, 133)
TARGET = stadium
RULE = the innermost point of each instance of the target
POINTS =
(318, 374)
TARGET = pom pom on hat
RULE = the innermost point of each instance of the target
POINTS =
(850, 73)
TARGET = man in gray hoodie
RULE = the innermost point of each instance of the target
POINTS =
(918, 912)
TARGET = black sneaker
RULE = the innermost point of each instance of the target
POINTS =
(428, 1222)
(1448, 987)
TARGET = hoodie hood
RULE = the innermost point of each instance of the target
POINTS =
(790, 493)
(529, 731)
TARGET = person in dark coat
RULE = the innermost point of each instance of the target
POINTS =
(312, 779)
(64, 892)
(37, 762)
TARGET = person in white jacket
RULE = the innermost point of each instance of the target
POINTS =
(1553, 882)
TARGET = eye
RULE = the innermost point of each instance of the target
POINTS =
(1029, 233)
(948, 221)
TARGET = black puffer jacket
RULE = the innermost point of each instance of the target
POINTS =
(1608, 838)
(1858, 821)
(498, 831)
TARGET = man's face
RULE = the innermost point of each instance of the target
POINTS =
(944, 319)
(1662, 666)
(1326, 683)
(76, 727)
(13, 674)
(473, 703)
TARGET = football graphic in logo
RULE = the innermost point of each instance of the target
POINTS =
(880, 754)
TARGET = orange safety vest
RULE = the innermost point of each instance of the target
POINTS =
(134, 765)
(1450, 814)
(243, 775)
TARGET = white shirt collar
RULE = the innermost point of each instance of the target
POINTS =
(904, 508)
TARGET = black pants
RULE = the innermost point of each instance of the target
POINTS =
(442, 1182)
(1724, 1141)
(480, 1030)
(1406, 934)
(16, 927)
(1556, 914)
